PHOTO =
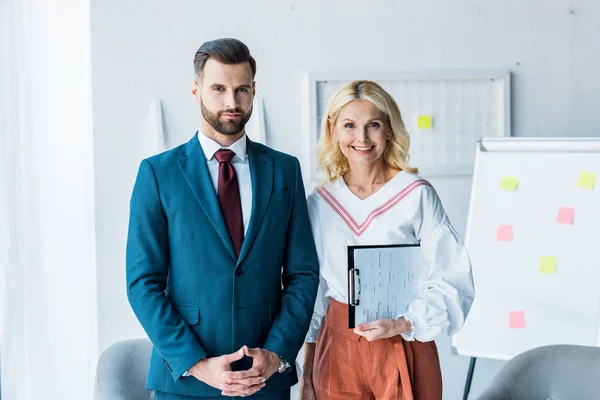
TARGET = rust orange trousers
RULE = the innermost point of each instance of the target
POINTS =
(348, 366)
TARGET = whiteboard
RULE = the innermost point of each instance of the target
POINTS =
(463, 106)
(560, 305)
(255, 128)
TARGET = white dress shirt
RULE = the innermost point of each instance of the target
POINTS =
(406, 210)
(240, 164)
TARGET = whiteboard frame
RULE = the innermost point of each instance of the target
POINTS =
(314, 78)
(578, 144)
(160, 126)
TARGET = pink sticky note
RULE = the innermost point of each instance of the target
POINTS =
(565, 215)
(504, 232)
(516, 320)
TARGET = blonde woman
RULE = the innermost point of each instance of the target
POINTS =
(372, 197)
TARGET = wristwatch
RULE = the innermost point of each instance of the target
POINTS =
(283, 365)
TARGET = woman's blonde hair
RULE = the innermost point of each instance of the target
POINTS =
(332, 160)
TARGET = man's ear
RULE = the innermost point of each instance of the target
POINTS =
(253, 88)
(196, 90)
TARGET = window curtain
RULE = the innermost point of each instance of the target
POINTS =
(48, 307)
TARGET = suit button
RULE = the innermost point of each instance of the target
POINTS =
(238, 272)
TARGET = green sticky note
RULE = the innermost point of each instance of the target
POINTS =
(509, 183)
(587, 180)
(548, 265)
(424, 121)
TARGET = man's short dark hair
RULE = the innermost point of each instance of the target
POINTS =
(225, 51)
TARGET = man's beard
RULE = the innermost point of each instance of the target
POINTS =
(229, 127)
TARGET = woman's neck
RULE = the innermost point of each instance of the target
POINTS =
(365, 180)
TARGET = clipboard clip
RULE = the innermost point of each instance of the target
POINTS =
(353, 277)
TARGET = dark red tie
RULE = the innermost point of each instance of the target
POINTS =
(229, 198)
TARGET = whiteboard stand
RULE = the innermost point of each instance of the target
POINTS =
(550, 175)
(469, 378)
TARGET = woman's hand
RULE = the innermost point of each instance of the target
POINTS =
(382, 328)
(307, 391)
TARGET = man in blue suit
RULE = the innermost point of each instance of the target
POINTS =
(222, 271)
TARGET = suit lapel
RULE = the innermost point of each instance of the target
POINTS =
(261, 174)
(193, 165)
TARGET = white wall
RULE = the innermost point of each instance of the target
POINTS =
(144, 50)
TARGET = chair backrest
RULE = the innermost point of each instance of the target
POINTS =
(122, 371)
(560, 372)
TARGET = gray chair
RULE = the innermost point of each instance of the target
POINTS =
(561, 372)
(122, 370)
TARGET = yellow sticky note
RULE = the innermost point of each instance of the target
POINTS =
(424, 121)
(509, 183)
(587, 180)
(548, 265)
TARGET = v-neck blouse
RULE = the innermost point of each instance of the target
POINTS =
(406, 210)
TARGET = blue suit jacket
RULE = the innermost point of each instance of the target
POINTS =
(193, 296)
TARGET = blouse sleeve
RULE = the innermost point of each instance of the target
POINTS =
(322, 302)
(446, 289)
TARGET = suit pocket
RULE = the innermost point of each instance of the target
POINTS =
(190, 314)
(279, 196)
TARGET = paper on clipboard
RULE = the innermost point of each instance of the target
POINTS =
(383, 280)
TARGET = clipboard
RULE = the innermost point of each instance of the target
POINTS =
(409, 275)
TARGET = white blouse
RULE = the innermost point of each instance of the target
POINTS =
(406, 210)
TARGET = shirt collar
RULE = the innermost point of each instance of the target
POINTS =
(210, 147)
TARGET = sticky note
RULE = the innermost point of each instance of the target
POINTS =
(565, 215)
(509, 183)
(516, 320)
(587, 180)
(424, 121)
(548, 265)
(504, 232)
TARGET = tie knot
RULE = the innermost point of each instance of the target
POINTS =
(224, 155)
